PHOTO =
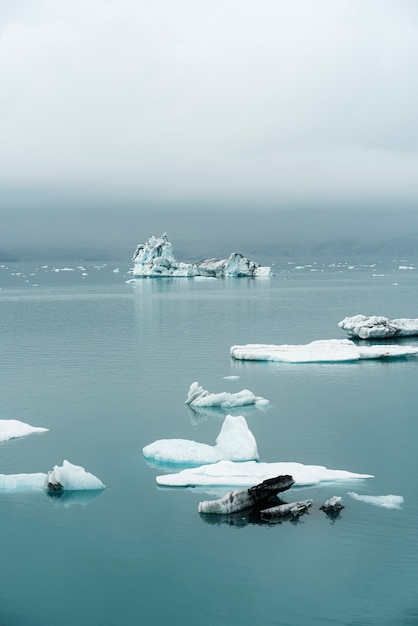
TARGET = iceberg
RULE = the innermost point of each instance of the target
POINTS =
(250, 473)
(235, 442)
(155, 259)
(62, 478)
(11, 429)
(378, 327)
(387, 502)
(201, 398)
(322, 351)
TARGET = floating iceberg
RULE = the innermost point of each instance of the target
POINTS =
(235, 442)
(378, 327)
(250, 473)
(155, 259)
(67, 477)
(200, 398)
(387, 502)
(325, 350)
(11, 429)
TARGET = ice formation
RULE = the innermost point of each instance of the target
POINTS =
(235, 442)
(200, 398)
(11, 429)
(325, 350)
(387, 502)
(155, 259)
(250, 473)
(378, 327)
(67, 477)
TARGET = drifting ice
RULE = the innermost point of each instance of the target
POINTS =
(387, 502)
(155, 258)
(250, 473)
(378, 327)
(68, 477)
(200, 398)
(11, 429)
(325, 350)
(235, 442)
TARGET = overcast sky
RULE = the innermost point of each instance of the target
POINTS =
(276, 104)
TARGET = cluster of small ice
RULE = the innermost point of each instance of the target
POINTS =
(235, 442)
(387, 502)
(378, 327)
(322, 351)
(155, 259)
(11, 429)
(201, 398)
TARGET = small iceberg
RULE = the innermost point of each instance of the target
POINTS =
(201, 398)
(387, 502)
(250, 473)
(67, 477)
(235, 442)
(11, 429)
(155, 259)
(378, 327)
(322, 351)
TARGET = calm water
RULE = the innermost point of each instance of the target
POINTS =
(106, 366)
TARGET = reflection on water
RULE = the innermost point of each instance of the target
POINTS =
(67, 499)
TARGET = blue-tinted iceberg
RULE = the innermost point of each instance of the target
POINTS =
(155, 259)
(201, 398)
(235, 442)
(250, 473)
(11, 429)
(387, 502)
(322, 351)
(67, 477)
(378, 327)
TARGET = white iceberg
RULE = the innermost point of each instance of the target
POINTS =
(387, 502)
(322, 351)
(235, 442)
(201, 398)
(23, 482)
(66, 477)
(11, 429)
(378, 327)
(250, 473)
(155, 259)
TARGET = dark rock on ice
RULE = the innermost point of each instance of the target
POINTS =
(291, 510)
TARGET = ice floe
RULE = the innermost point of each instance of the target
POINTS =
(11, 429)
(235, 442)
(325, 350)
(387, 502)
(378, 327)
(250, 473)
(201, 398)
(155, 259)
(67, 477)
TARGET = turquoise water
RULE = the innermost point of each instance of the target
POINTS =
(106, 366)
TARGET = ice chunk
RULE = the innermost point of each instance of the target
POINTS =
(155, 259)
(22, 482)
(378, 327)
(201, 398)
(10, 429)
(322, 351)
(387, 502)
(249, 473)
(72, 478)
(235, 442)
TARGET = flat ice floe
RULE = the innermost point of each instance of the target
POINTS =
(378, 327)
(201, 398)
(387, 502)
(322, 351)
(235, 442)
(11, 429)
(250, 473)
(67, 477)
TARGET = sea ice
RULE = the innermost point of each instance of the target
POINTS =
(235, 442)
(387, 502)
(199, 397)
(155, 259)
(322, 351)
(67, 477)
(378, 327)
(250, 473)
(11, 429)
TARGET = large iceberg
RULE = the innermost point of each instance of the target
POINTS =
(67, 477)
(378, 327)
(235, 442)
(325, 350)
(155, 259)
(11, 429)
(250, 473)
(201, 398)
